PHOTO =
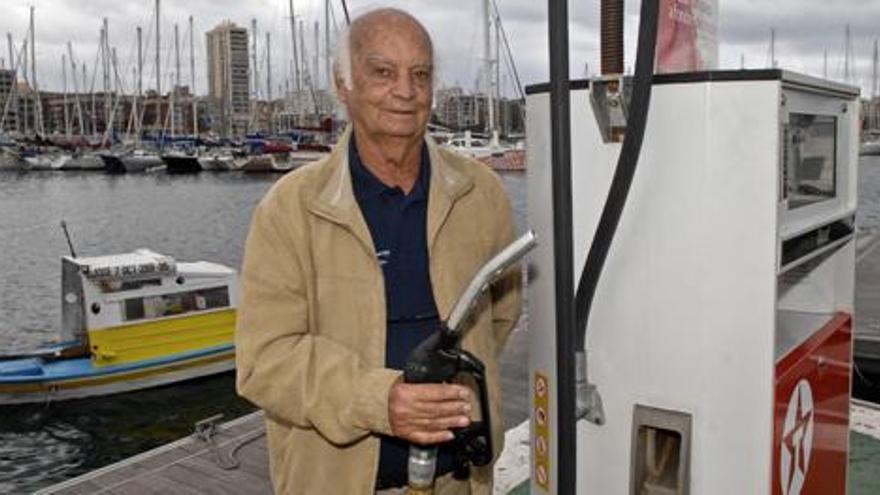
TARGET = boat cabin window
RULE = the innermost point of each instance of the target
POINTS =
(116, 285)
(810, 158)
(179, 303)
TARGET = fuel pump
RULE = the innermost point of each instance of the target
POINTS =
(715, 263)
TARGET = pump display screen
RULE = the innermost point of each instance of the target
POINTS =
(810, 158)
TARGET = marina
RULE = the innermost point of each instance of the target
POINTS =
(730, 287)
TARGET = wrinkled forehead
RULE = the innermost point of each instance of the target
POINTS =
(392, 36)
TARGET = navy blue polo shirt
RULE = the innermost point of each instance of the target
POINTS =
(398, 226)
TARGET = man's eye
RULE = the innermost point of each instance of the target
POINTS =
(383, 72)
(422, 75)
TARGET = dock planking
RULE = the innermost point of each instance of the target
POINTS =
(188, 465)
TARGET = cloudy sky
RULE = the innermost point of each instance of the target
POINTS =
(805, 31)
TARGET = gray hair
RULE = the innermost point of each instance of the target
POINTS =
(342, 51)
(342, 58)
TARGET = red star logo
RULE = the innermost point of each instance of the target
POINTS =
(794, 441)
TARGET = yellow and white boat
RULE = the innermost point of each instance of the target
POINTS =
(129, 321)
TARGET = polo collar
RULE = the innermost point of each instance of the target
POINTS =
(367, 186)
(336, 202)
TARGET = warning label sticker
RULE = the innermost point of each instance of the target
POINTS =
(541, 427)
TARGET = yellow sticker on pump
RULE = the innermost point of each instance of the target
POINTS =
(541, 419)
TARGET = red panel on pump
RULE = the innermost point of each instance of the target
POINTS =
(811, 416)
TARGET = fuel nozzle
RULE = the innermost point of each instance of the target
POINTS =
(440, 359)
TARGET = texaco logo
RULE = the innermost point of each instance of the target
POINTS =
(797, 439)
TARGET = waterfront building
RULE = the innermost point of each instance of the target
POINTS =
(7, 106)
(459, 111)
(228, 70)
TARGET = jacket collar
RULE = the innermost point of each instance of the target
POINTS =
(335, 199)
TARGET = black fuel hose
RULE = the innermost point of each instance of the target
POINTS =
(626, 168)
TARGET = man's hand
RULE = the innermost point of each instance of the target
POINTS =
(424, 413)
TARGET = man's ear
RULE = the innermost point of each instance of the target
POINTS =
(341, 89)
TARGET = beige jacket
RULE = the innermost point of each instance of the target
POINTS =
(310, 342)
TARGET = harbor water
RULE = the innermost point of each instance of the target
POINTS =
(191, 218)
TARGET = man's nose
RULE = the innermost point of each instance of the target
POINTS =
(404, 87)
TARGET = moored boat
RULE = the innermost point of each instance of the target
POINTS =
(84, 160)
(129, 322)
(46, 161)
(268, 163)
(870, 148)
(179, 162)
(131, 162)
(218, 162)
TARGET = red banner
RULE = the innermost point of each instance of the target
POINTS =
(687, 40)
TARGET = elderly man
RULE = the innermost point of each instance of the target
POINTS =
(351, 262)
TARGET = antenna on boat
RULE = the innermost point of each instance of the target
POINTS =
(67, 236)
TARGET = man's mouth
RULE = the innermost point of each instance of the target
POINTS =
(402, 112)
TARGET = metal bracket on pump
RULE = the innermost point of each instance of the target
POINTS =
(588, 402)
(610, 97)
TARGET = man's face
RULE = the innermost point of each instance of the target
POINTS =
(392, 81)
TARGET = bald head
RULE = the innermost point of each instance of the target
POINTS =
(371, 27)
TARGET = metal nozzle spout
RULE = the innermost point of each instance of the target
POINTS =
(588, 402)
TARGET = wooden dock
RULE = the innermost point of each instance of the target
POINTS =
(231, 459)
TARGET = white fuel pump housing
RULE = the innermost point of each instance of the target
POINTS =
(721, 332)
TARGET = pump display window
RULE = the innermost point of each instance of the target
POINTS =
(810, 159)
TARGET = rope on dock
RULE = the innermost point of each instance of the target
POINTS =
(206, 432)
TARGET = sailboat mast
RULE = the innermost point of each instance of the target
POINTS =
(14, 66)
(64, 85)
(327, 44)
(93, 113)
(874, 71)
(254, 60)
(846, 56)
(24, 73)
(316, 56)
(76, 89)
(176, 55)
(105, 50)
(115, 75)
(38, 120)
(158, 120)
(307, 79)
(873, 106)
(773, 47)
(140, 62)
(487, 68)
(497, 58)
(296, 74)
(139, 80)
(825, 64)
(268, 67)
(192, 77)
(176, 79)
